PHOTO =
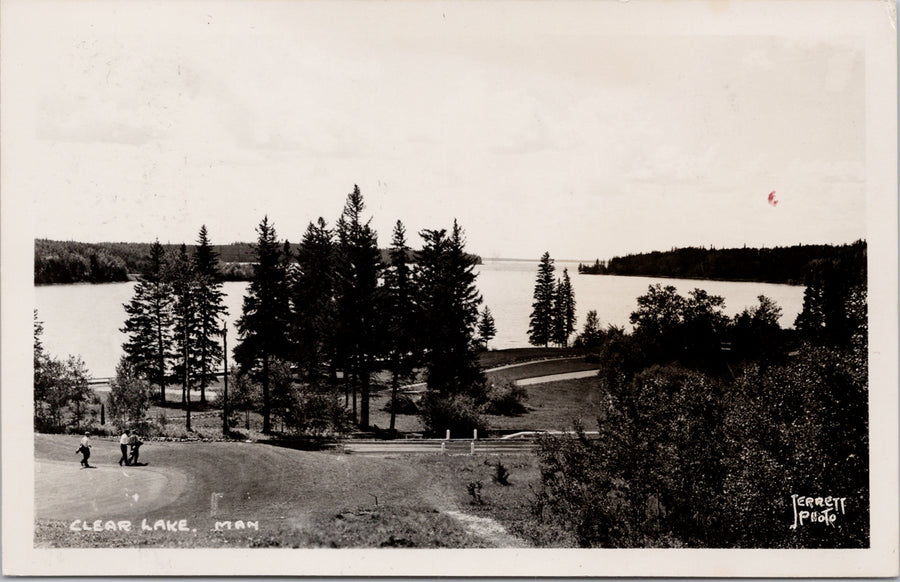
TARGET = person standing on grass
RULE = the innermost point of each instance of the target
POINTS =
(85, 450)
(135, 443)
(124, 441)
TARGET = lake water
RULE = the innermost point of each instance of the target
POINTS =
(85, 319)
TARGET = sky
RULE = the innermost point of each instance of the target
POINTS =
(573, 128)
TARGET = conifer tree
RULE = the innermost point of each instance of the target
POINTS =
(563, 310)
(314, 300)
(359, 268)
(402, 314)
(150, 320)
(184, 288)
(540, 329)
(262, 327)
(450, 303)
(487, 328)
(209, 310)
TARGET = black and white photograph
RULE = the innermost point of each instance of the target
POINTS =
(521, 288)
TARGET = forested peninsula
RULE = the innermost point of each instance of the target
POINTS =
(59, 262)
(788, 265)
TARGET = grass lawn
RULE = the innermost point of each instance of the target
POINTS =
(493, 358)
(550, 406)
(555, 406)
(297, 498)
(542, 369)
(306, 498)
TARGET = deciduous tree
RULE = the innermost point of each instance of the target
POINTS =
(129, 396)
(592, 334)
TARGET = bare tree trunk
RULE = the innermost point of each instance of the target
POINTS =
(395, 382)
(203, 370)
(353, 389)
(187, 383)
(161, 364)
(225, 379)
(364, 398)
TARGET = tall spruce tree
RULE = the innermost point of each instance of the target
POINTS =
(150, 319)
(487, 328)
(402, 314)
(314, 300)
(540, 329)
(210, 310)
(563, 310)
(828, 318)
(359, 268)
(184, 288)
(450, 302)
(262, 327)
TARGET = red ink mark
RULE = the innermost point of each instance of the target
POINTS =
(772, 200)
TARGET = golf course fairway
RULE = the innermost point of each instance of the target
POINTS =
(213, 494)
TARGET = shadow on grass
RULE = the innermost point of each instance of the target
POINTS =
(299, 443)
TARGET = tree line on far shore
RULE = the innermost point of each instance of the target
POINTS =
(766, 265)
(64, 262)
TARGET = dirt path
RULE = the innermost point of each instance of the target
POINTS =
(489, 530)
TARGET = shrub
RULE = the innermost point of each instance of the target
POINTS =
(474, 490)
(403, 404)
(62, 396)
(501, 474)
(686, 459)
(580, 494)
(459, 414)
(314, 410)
(504, 398)
(162, 421)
